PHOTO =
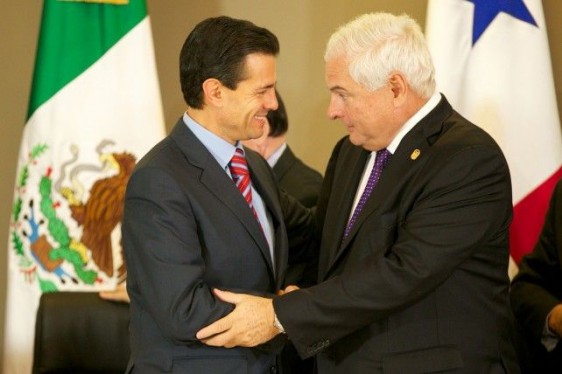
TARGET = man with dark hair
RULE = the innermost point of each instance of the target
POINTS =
(203, 212)
(293, 175)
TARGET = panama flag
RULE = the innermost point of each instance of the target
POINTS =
(94, 110)
(492, 61)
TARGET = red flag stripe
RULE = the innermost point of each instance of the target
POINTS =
(528, 217)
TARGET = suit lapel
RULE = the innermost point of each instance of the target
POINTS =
(413, 151)
(217, 182)
(268, 194)
(343, 193)
(398, 168)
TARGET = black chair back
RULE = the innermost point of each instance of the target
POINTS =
(80, 333)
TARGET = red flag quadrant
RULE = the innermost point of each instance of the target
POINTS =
(528, 217)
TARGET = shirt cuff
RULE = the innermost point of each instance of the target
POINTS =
(278, 325)
(549, 339)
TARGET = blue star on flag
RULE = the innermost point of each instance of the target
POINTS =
(486, 10)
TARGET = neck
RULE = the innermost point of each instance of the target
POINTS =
(207, 119)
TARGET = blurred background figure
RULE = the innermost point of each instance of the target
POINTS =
(293, 175)
(300, 181)
(536, 294)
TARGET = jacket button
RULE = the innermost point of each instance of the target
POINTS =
(273, 370)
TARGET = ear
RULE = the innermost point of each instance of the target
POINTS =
(212, 91)
(399, 88)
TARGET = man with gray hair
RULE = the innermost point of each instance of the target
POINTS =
(412, 224)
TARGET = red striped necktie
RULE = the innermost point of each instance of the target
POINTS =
(241, 176)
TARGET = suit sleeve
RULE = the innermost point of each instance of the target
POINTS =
(463, 202)
(537, 288)
(164, 257)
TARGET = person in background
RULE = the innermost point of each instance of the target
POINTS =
(203, 212)
(413, 223)
(293, 175)
(302, 182)
(536, 295)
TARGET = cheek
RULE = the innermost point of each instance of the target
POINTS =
(355, 112)
(249, 114)
(366, 120)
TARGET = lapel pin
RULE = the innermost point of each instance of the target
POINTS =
(415, 154)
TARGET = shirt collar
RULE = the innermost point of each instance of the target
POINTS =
(275, 156)
(221, 150)
(414, 120)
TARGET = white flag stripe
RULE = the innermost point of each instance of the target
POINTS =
(115, 103)
(114, 91)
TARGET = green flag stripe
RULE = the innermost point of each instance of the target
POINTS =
(73, 36)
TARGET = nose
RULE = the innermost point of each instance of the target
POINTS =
(333, 112)
(272, 103)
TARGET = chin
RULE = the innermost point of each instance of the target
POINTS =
(353, 139)
(257, 133)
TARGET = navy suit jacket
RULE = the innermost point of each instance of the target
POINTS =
(186, 230)
(420, 284)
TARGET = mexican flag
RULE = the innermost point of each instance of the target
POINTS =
(94, 110)
(492, 61)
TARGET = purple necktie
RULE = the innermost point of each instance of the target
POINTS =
(381, 159)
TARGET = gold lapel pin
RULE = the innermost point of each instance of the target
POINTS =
(415, 154)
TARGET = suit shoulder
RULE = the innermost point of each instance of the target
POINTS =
(160, 151)
(461, 133)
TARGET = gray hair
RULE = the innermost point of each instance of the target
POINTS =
(377, 44)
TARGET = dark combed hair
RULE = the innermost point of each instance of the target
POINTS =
(278, 120)
(217, 48)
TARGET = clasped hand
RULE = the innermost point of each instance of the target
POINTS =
(248, 325)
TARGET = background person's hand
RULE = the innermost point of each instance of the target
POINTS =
(119, 294)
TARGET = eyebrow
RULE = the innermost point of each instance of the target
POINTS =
(337, 88)
(266, 87)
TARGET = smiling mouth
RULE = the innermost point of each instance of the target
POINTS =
(260, 119)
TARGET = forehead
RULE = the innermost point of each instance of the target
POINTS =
(336, 71)
(261, 67)
(338, 78)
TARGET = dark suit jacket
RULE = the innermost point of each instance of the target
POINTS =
(537, 288)
(297, 178)
(420, 284)
(187, 229)
(303, 183)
